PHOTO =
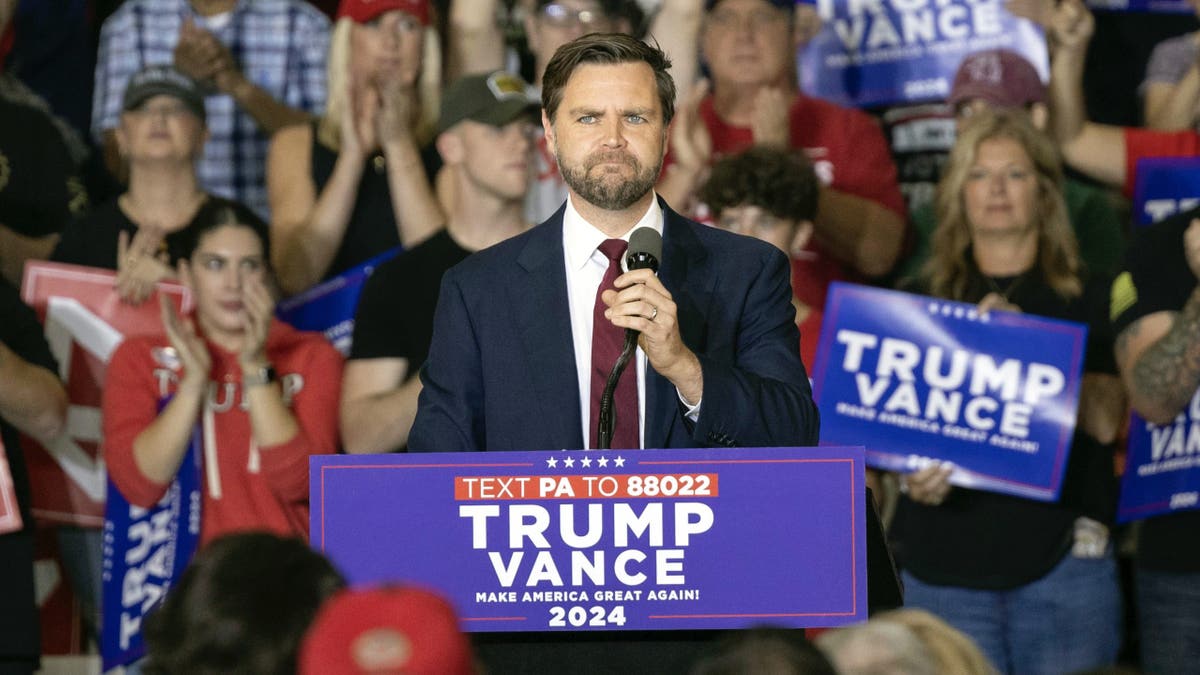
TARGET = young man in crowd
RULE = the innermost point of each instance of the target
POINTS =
(485, 136)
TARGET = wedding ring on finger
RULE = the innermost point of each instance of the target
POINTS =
(653, 313)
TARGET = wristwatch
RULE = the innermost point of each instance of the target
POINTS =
(263, 375)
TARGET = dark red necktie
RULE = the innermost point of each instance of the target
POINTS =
(607, 341)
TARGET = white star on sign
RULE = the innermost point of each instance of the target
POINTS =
(569, 462)
(602, 462)
(586, 462)
(619, 461)
(552, 463)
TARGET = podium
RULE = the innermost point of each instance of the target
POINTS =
(610, 561)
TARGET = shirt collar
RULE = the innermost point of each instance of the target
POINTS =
(581, 238)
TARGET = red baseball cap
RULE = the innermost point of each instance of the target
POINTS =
(1001, 77)
(362, 11)
(386, 631)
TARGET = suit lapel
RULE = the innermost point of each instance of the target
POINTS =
(684, 272)
(542, 316)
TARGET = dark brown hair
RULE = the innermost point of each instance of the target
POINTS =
(608, 49)
(778, 181)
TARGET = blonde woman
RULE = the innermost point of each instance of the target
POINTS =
(352, 184)
(1032, 583)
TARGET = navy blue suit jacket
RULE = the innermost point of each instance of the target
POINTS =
(501, 370)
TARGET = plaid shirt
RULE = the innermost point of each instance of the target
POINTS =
(281, 46)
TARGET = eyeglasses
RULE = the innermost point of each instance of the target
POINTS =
(561, 16)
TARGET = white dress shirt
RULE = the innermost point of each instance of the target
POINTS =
(586, 265)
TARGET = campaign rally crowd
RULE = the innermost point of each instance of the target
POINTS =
(251, 150)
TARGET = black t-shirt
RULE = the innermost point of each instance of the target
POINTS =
(35, 172)
(986, 540)
(395, 311)
(20, 332)
(92, 239)
(1159, 280)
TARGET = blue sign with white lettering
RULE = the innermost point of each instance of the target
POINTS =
(605, 540)
(1162, 467)
(329, 307)
(916, 379)
(1165, 186)
(145, 552)
(882, 52)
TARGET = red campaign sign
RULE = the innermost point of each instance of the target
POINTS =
(84, 321)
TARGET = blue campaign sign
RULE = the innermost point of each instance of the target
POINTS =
(145, 552)
(329, 307)
(1165, 186)
(883, 52)
(606, 540)
(1162, 467)
(915, 378)
(1152, 6)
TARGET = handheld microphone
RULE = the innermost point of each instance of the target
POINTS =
(643, 252)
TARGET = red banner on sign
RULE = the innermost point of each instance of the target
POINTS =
(84, 320)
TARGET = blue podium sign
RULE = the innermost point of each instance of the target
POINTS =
(915, 378)
(606, 540)
(885, 52)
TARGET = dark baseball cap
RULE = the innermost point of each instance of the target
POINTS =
(492, 98)
(1001, 77)
(163, 81)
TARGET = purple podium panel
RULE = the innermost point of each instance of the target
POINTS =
(606, 540)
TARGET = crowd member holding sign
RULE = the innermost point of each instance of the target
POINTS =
(522, 330)
(263, 395)
(485, 136)
(1155, 306)
(1033, 583)
(750, 49)
(350, 185)
(32, 401)
(160, 136)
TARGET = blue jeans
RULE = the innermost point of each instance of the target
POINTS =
(1169, 614)
(1068, 620)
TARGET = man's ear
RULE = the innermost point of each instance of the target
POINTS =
(548, 131)
(450, 147)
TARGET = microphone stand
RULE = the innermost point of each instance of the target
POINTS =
(608, 417)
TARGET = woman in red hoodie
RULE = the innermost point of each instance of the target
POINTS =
(264, 396)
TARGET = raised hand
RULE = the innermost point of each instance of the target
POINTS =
(258, 307)
(190, 347)
(140, 264)
(771, 126)
(691, 144)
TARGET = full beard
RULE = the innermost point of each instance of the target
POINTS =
(606, 190)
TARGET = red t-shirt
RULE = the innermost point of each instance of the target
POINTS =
(850, 154)
(244, 487)
(1146, 143)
